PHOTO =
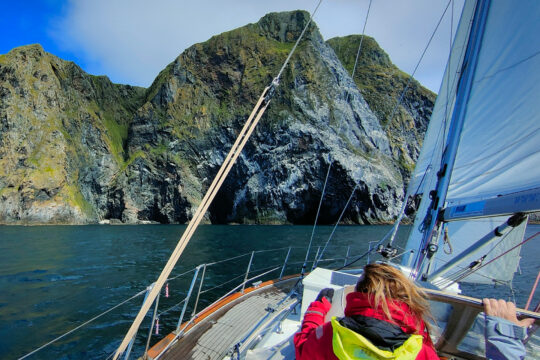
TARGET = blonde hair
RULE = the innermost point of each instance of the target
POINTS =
(387, 284)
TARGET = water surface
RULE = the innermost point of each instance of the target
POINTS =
(53, 278)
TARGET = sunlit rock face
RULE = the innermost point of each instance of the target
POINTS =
(76, 148)
(61, 138)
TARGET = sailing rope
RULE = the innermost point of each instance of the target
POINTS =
(229, 161)
(533, 290)
(478, 264)
(459, 275)
(396, 226)
(446, 241)
(512, 248)
(416, 67)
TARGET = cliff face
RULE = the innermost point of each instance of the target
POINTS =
(77, 148)
(61, 138)
(381, 84)
(197, 105)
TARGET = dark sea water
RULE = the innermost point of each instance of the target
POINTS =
(54, 278)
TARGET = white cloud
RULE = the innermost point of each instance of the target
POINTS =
(132, 40)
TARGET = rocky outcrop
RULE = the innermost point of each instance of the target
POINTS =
(382, 84)
(76, 148)
(317, 118)
(61, 138)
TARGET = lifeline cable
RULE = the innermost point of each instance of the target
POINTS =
(82, 325)
(367, 252)
(416, 67)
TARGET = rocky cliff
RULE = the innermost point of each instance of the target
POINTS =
(381, 84)
(62, 134)
(75, 148)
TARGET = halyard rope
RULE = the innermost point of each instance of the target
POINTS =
(229, 161)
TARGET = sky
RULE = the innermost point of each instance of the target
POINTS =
(131, 41)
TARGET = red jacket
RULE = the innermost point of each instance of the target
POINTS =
(314, 340)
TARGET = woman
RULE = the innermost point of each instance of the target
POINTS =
(385, 318)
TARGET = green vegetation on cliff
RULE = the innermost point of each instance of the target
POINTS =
(381, 84)
(77, 148)
(60, 121)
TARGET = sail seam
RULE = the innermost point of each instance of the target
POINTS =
(508, 67)
(499, 168)
(499, 150)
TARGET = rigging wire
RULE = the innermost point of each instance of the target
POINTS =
(462, 267)
(361, 40)
(335, 226)
(367, 252)
(416, 67)
(468, 65)
(276, 79)
(468, 270)
(332, 161)
(398, 220)
(316, 219)
(224, 170)
(82, 325)
(509, 250)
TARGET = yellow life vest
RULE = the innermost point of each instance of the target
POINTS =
(349, 345)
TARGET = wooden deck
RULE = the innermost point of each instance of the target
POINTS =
(219, 328)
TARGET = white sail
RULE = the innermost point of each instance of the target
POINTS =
(424, 177)
(494, 271)
(431, 153)
(498, 151)
(499, 148)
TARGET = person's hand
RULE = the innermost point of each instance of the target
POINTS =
(505, 310)
(327, 293)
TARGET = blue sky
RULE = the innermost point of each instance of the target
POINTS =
(132, 40)
(26, 22)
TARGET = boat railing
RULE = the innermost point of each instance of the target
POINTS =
(199, 276)
(288, 263)
(202, 291)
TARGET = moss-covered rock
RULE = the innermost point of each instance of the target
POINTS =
(197, 105)
(62, 133)
(76, 148)
(382, 85)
